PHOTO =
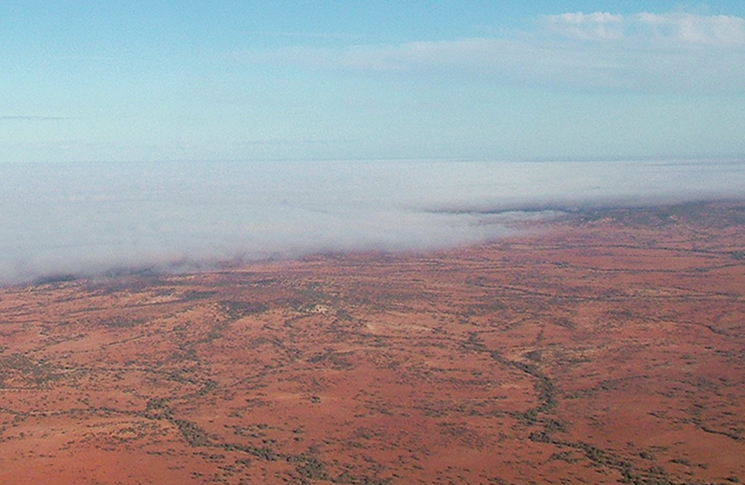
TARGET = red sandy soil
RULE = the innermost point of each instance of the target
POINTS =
(605, 347)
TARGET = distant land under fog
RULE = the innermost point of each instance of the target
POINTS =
(63, 221)
(604, 346)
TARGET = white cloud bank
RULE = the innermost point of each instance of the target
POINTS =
(645, 52)
(91, 219)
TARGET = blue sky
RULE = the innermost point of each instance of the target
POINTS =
(241, 80)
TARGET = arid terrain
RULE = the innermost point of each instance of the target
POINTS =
(603, 346)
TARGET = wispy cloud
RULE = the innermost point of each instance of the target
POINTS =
(598, 25)
(313, 35)
(31, 118)
(681, 29)
(647, 52)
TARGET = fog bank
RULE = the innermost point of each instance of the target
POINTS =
(88, 219)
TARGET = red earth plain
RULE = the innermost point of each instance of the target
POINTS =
(603, 346)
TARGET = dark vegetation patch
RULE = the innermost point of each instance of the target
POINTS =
(198, 295)
(704, 214)
(239, 309)
(55, 278)
(312, 469)
(193, 434)
(121, 322)
(25, 371)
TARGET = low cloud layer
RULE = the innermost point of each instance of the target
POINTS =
(91, 219)
(645, 52)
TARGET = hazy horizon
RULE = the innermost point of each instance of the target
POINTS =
(74, 219)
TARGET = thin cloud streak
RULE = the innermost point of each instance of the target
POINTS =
(32, 118)
(313, 35)
(644, 52)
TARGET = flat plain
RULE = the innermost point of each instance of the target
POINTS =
(600, 346)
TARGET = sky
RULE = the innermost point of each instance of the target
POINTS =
(113, 81)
